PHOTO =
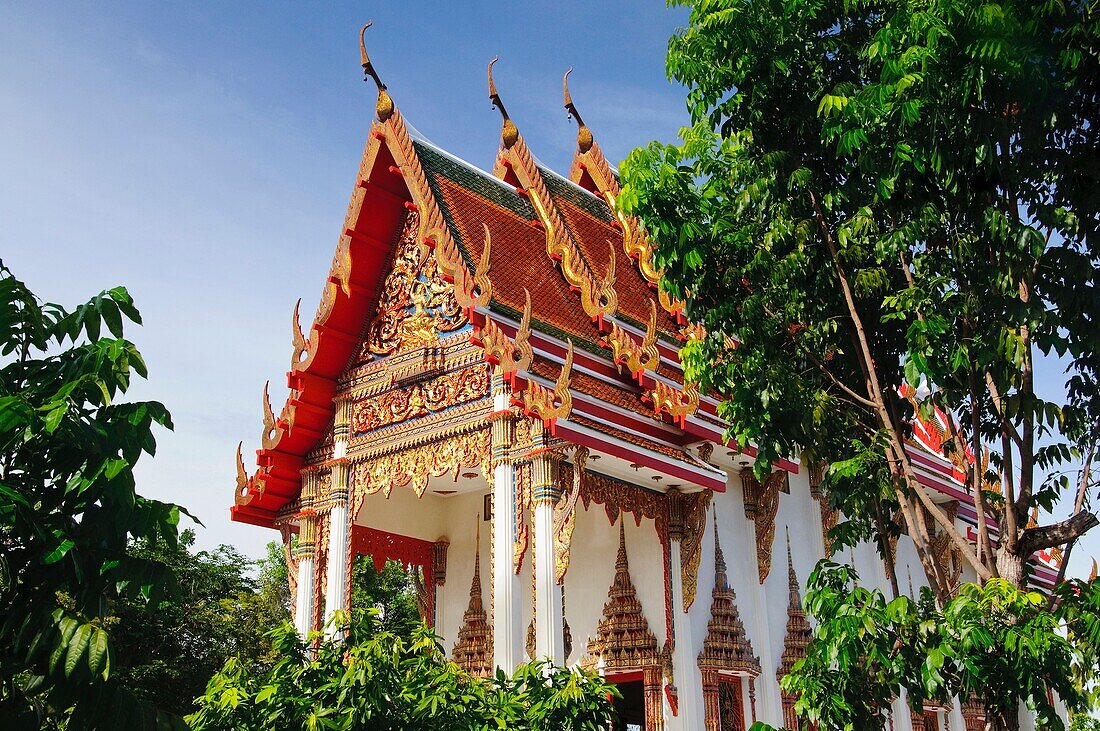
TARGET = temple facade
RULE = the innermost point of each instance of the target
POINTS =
(490, 393)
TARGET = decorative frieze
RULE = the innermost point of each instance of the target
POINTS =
(420, 399)
(621, 497)
(416, 465)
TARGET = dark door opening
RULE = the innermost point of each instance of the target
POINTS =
(631, 707)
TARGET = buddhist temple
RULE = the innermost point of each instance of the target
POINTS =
(490, 393)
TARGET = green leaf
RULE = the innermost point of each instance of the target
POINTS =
(98, 656)
(59, 552)
(77, 647)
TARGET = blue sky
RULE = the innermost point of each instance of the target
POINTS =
(202, 154)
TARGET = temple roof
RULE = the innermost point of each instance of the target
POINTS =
(565, 271)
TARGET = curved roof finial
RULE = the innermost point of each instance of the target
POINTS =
(508, 133)
(384, 106)
(584, 135)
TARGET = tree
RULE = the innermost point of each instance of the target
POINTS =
(995, 643)
(168, 655)
(69, 508)
(380, 681)
(886, 211)
(390, 592)
(884, 199)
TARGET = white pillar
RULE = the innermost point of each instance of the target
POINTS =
(508, 626)
(549, 615)
(337, 556)
(304, 552)
(303, 600)
(769, 706)
(688, 679)
(335, 588)
(955, 716)
(903, 715)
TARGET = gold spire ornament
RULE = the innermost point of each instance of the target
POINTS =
(508, 132)
(384, 106)
(798, 628)
(623, 639)
(584, 135)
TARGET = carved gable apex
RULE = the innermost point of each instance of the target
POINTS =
(416, 305)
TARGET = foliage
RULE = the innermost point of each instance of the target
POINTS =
(1081, 722)
(381, 681)
(390, 592)
(879, 198)
(996, 643)
(69, 508)
(168, 655)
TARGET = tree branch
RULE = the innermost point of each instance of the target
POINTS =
(1048, 536)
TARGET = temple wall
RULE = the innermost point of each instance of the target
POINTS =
(393, 515)
(591, 569)
(457, 517)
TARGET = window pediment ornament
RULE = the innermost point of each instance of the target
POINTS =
(726, 647)
(623, 639)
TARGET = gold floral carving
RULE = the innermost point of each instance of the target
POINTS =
(416, 303)
(546, 404)
(695, 508)
(676, 403)
(626, 351)
(565, 516)
(761, 507)
(830, 516)
(815, 471)
(944, 551)
(523, 505)
(620, 497)
(420, 399)
(415, 466)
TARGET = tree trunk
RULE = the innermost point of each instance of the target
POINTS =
(1010, 567)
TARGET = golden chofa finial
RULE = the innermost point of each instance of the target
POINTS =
(584, 135)
(384, 106)
(508, 133)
